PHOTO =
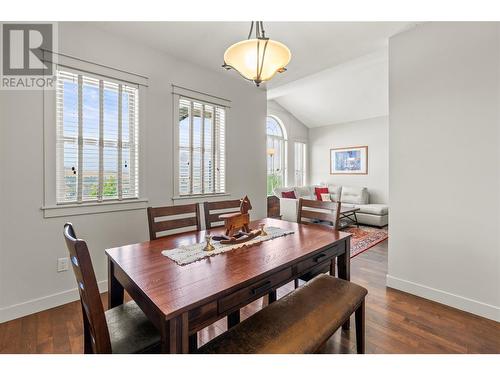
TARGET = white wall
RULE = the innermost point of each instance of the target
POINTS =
(30, 244)
(444, 159)
(296, 132)
(372, 133)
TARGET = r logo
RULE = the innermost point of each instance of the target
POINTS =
(23, 46)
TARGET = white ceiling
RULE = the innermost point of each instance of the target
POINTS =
(352, 91)
(345, 63)
(315, 46)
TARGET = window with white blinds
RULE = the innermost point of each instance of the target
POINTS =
(201, 148)
(300, 164)
(97, 139)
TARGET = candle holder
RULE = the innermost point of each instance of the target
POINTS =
(262, 230)
(208, 245)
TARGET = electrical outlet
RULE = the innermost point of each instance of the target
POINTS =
(62, 264)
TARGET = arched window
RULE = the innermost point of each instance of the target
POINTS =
(276, 154)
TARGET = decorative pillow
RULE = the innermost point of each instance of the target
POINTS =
(320, 190)
(326, 197)
(288, 194)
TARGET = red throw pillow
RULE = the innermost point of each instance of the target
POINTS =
(320, 190)
(288, 194)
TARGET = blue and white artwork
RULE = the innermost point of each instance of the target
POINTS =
(352, 160)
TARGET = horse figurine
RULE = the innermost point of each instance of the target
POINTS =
(234, 222)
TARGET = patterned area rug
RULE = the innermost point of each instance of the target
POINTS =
(364, 238)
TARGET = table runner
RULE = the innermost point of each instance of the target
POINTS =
(191, 253)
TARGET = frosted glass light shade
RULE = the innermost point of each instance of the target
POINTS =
(243, 57)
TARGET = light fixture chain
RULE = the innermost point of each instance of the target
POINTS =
(259, 73)
(263, 33)
(257, 78)
(251, 29)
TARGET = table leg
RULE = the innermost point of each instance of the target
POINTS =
(344, 269)
(356, 219)
(193, 343)
(233, 319)
(332, 267)
(175, 335)
(272, 296)
(115, 289)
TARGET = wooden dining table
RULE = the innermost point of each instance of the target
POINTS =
(181, 300)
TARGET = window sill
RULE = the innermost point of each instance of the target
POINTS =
(74, 209)
(199, 196)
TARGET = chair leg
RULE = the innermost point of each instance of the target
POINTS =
(87, 338)
(360, 328)
(296, 283)
(87, 343)
(193, 343)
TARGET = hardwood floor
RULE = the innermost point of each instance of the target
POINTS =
(396, 322)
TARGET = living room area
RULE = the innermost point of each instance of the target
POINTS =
(334, 147)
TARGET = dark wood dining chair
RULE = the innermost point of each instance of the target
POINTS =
(123, 329)
(214, 209)
(157, 226)
(317, 213)
(191, 221)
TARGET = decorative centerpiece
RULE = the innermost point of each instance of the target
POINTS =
(236, 221)
(237, 225)
(208, 245)
(262, 229)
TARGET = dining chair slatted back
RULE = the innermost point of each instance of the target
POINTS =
(312, 212)
(214, 209)
(96, 334)
(157, 226)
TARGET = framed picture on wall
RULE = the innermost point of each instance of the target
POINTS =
(349, 160)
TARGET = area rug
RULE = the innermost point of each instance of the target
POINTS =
(363, 238)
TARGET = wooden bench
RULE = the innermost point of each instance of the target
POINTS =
(299, 323)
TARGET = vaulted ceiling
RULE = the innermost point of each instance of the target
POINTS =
(338, 71)
(351, 91)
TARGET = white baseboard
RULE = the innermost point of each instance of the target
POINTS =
(459, 302)
(446, 298)
(44, 303)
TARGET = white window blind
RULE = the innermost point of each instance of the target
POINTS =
(201, 148)
(97, 139)
(300, 164)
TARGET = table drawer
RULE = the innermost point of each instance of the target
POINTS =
(319, 258)
(201, 316)
(255, 290)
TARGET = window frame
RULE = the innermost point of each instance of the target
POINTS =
(51, 207)
(284, 149)
(101, 143)
(179, 93)
(304, 162)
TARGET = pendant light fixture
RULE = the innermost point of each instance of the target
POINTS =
(257, 59)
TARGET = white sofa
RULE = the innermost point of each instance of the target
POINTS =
(369, 213)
